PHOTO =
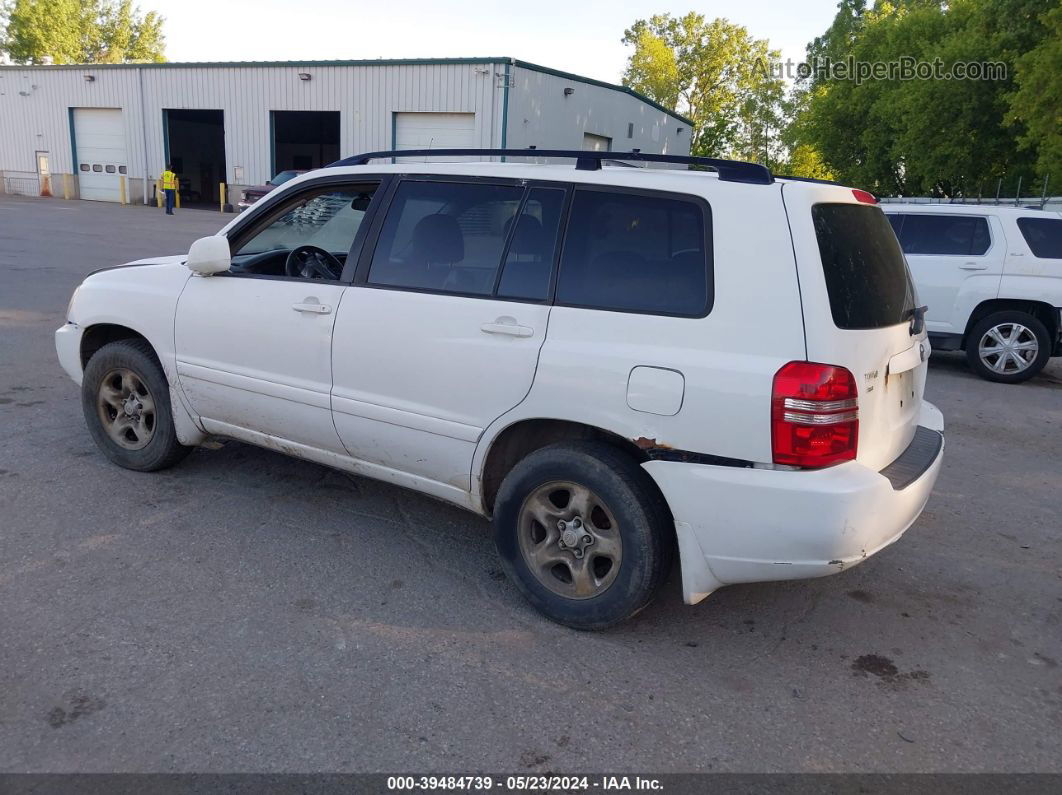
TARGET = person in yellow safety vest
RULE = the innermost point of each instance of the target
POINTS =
(169, 187)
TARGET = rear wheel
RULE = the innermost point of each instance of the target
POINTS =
(126, 401)
(1008, 347)
(583, 533)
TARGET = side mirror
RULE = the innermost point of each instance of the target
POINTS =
(209, 255)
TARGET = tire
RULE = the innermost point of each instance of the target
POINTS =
(608, 583)
(1000, 329)
(127, 373)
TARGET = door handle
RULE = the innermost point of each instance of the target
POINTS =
(973, 266)
(314, 309)
(507, 325)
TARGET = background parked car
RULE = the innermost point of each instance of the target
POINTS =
(256, 192)
(992, 279)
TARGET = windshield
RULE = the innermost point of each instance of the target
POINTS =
(326, 220)
(283, 177)
(866, 273)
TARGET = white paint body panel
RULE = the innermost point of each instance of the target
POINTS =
(889, 402)
(656, 390)
(409, 388)
(751, 525)
(417, 380)
(245, 357)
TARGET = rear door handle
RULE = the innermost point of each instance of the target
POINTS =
(973, 266)
(314, 308)
(507, 325)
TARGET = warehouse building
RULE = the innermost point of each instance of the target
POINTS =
(105, 132)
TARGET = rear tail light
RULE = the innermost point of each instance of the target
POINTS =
(864, 196)
(814, 415)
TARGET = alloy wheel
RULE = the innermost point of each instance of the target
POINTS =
(1008, 348)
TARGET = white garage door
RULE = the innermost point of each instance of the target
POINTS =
(435, 131)
(99, 138)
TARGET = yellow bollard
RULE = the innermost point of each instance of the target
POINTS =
(66, 186)
(158, 192)
(177, 196)
(121, 190)
(222, 191)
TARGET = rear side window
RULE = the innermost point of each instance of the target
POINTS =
(445, 237)
(1044, 236)
(866, 275)
(636, 253)
(942, 235)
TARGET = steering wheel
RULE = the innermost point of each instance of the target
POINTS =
(312, 262)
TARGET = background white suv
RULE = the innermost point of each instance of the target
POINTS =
(992, 279)
(611, 362)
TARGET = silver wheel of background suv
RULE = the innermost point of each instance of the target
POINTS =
(1008, 348)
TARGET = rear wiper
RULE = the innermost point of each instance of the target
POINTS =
(918, 319)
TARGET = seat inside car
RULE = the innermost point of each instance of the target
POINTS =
(437, 244)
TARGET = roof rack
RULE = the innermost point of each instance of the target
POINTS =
(728, 170)
(810, 179)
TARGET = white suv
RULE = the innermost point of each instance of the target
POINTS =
(612, 363)
(992, 279)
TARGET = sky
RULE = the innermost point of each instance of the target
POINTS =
(580, 37)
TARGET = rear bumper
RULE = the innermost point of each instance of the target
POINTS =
(68, 349)
(751, 525)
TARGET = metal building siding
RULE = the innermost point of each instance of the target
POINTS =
(540, 115)
(366, 94)
(41, 120)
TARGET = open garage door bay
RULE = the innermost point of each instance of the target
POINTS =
(99, 140)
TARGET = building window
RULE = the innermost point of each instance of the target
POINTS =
(97, 168)
(110, 169)
(84, 166)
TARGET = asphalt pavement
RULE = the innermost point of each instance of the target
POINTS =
(245, 611)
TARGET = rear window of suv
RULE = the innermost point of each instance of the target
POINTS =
(866, 275)
(1044, 236)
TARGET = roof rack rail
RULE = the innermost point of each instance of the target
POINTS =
(728, 170)
(811, 179)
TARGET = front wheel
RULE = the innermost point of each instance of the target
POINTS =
(583, 533)
(1008, 347)
(126, 401)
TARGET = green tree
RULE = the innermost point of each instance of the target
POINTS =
(1036, 105)
(716, 74)
(81, 31)
(939, 136)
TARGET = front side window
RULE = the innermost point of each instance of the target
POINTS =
(633, 252)
(942, 235)
(310, 238)
(445, 237)
(1044, 236)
